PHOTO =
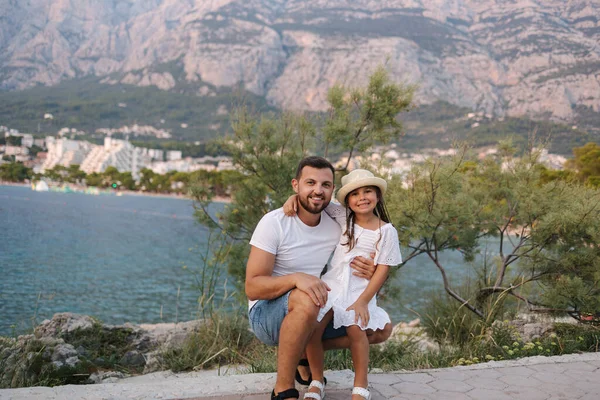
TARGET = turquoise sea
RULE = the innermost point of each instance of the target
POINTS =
(124, 259)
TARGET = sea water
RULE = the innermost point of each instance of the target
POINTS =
(127, 259)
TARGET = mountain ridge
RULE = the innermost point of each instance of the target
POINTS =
(505, 58)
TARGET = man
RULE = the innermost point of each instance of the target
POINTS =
(282, 274)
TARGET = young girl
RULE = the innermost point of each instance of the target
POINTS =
(351, 301)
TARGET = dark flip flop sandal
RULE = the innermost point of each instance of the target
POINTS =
(304, 363)
(286, 394)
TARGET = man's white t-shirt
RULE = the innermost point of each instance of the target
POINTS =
(297, 247)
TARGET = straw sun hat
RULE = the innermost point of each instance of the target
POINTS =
(356, 179)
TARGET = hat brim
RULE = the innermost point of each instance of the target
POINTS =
(371, 181)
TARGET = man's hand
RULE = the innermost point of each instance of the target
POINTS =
(363, 267)
(361, 312)
(314, 287)
(290, 207)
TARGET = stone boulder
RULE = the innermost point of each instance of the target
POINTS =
(64, 354)
(530, 327)
(63, 323)
(27, 360)
(413, 333)
(76, 345)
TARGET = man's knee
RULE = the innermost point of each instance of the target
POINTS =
(381, 335)
(299, 301)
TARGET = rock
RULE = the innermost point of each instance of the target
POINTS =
(72, 361)
(62, 323)
(105, 377)
(535, 331)
(153, 362)
(415, 335)
(136, 348)
(414, 323)
(82, 351)
(167, 334)
(133, 359)
(64, 354)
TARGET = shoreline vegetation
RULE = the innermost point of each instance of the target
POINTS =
(72, 178)
(78, 349)
(80, 189)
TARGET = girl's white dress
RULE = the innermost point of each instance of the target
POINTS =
(345, 287)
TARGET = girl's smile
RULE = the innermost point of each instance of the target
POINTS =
(363, 200)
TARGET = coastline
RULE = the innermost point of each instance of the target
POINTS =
(216, 199)
(6, 183)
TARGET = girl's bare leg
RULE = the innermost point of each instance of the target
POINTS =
(359, 346)
(315, 352)
(343, 342)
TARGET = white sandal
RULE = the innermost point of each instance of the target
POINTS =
(361, 392)
(316, 396)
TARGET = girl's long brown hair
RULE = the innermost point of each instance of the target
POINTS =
(380, 211)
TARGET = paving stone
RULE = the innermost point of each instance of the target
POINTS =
(450, 374)
(385, 390)
(446, 385)
(413, 388)
(591, 396)
(417, 377)
(519, 380)
(487, 394)
(592, 388)
(551, 368)
(408, 396)
(552, 378)
(387, 379)
(562, 398)
(584, 375)
(341, 395)
(528, 393)
(488, 383)
(571, 391)
(580, 366)
(521, 371)
(488, 373)
(449, 396)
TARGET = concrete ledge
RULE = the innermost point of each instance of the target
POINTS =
(575, 373)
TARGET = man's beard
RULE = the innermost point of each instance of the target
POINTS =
(311, 208)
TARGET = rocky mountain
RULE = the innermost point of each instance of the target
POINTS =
(539, 58)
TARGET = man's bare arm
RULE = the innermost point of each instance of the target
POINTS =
(260, 285)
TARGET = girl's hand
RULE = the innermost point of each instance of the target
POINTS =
(361, 311)
(290, 207)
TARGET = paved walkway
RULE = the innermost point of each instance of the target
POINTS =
(534, 378)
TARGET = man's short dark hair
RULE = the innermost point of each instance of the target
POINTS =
(315, 162)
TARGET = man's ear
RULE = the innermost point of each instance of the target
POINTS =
(295, 185)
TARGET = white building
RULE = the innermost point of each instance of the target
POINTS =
(116, 153)
(154, 154)
(65, 152)
(187, 164)
(16, 150)
(26, 138)
(174, 155)
(225, 165)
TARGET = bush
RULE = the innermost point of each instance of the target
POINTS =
(223, 339)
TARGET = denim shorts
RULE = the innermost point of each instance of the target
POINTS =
(266, 317)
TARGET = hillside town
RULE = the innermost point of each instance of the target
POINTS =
(43, 154)
(118, 153)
